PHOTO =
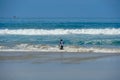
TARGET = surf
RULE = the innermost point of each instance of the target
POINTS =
(48, 48)
(106, 31)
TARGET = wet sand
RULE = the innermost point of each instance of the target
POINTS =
(59, 66)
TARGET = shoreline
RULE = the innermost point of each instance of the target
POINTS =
(66, 49)
(38, 65)
(61, 51)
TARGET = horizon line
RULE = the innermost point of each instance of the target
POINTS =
(17, 17)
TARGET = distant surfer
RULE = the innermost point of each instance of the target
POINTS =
(61, 44)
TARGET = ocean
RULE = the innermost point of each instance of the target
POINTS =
(45, 33)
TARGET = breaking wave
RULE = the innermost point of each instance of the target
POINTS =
(47, 48)
(107, 31)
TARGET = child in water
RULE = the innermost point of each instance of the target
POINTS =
(61, 44)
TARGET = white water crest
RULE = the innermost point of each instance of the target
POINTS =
(47, 48)
(107, 31)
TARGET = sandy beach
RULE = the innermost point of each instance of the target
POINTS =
(22, 65)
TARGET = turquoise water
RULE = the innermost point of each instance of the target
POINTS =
(103, 33)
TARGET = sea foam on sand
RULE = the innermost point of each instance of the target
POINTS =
(66, 49)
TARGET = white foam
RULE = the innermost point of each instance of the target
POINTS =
(106, 31)
(47, 48)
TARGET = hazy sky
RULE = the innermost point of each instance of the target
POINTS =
(60, 8)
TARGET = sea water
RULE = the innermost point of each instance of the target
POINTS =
(45, 33)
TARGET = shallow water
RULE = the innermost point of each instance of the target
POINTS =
(59, 66)
(36, 33)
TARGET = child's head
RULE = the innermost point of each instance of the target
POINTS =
(61, 40)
